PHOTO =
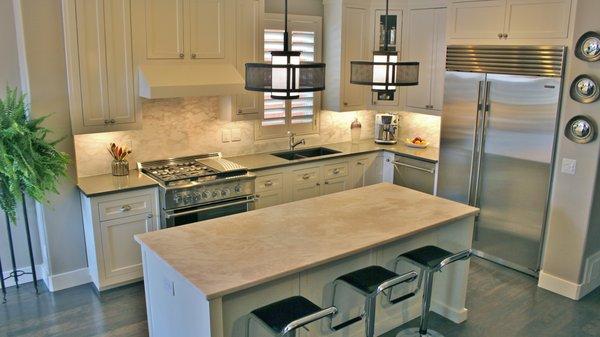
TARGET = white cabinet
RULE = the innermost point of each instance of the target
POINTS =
(365, 170)
(183, 29)
(426, 43)
(110, 223)
(345, 30)
(306, 183)
(100, 71)
(249, 48)
(509, 21)
(269, 190)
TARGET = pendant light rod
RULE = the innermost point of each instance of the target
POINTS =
(286, 41)
(385, 23)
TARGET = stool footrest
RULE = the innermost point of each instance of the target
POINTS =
(402, 298)
(346, 323)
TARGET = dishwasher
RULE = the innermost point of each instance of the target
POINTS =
(415, 174)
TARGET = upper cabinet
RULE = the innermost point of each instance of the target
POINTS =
(101, 80)
(345, 31)
(426, 43)
(509, 21)
(182, 29)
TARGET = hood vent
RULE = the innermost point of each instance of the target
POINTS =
(189, 80)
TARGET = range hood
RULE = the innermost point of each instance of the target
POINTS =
(189, 80)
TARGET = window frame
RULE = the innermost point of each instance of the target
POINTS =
(295, 23)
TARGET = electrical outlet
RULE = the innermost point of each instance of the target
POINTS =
(236, 135)
(169, 286)
(226, 136)
(569, 166)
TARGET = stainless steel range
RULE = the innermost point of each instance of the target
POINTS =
(200, 187)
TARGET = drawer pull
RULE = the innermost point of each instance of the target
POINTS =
(268, 183)
(306, 176)
(397, 163)
(149, 216)
(126, 208)
(360, 163)
(336, 171)
(327, 183)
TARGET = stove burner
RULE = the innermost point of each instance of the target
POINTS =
(180, 171)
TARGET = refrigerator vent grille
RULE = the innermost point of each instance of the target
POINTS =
(544, 61)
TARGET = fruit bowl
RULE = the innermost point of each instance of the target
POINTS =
(416, 142)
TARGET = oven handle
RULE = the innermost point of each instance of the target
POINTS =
(209, 208)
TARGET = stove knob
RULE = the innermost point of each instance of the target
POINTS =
(225, 192)
(215, 194)
(196, 196)
(177, 198)
(205, 195)
(238, 188)
(187, 199)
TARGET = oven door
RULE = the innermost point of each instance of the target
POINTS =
(183, 216)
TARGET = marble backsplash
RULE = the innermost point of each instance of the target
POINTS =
(186, 126)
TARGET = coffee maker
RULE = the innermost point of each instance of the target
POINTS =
(386, 126)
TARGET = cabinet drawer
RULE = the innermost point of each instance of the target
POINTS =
(125, 206)
(335, 170)
(269, 183)
(309, 175)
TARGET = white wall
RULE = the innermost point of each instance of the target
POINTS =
(9, 76)
(43, 76)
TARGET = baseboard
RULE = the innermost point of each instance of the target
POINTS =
(559, 286)
(67, 280)
(9, 282)
(455, 315)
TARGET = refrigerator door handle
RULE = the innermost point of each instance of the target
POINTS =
(473, 178)
(481, 146)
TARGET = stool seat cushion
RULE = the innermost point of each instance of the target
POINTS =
(279, 314)
(429, 256)
(369, 278)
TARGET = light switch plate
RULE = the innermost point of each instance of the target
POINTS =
(569, 166)
(236, 135)
(226, 136)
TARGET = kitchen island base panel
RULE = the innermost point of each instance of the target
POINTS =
(177, 308)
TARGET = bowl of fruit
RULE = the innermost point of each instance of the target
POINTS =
(417, 142)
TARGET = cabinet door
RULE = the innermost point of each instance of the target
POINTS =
(120, 251)
(207, 29)
(355, 46)
(164, 29)
(269, 198)
(305, 191)
(121, 92)
(476, 19)
(537, 19)
(93, 72)
(334, 185)
(394, 25)
(426, 44)
(358, 169)
(250, 48)
(306, 183)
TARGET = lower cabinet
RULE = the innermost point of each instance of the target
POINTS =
(110, 223)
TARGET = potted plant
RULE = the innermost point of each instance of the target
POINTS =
(29, 163)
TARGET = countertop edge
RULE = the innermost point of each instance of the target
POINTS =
(133, 188)
(219, 294)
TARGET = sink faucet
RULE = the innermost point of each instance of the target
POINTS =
(293, 142)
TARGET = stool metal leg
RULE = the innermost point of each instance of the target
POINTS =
(370, 306)
(422, 330)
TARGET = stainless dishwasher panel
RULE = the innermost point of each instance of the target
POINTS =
(415, 174)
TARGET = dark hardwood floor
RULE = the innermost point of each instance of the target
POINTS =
(501, 303)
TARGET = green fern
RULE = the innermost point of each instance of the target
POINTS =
(29, 163)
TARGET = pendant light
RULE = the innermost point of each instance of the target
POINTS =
(285, 77)
(384, 73)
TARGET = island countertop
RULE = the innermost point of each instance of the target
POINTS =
(229, 254)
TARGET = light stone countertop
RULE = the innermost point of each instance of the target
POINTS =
(107, 183)
(261, 161)
(232, 253)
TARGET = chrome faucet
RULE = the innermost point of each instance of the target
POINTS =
(293, 142)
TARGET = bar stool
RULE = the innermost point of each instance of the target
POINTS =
(430, 259)
(370, 282)
(284, 317)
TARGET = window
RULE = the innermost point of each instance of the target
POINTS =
(300, 115)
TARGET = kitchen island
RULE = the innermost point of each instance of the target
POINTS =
(202, 279)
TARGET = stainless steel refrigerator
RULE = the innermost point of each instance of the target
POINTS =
(499, 126)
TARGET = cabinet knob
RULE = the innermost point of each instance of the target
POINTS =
(505, 35)
(500, 35)
(194, 55)
(319, 184)
(125, 208)
(240, 111)
(345, 103)
(268, 183)
(112, 121)
(327, 183)
(181, 55)
(336, 171)
(306, 176)
(106, 121)
(359, 163)
(150, 216)
(257, 196)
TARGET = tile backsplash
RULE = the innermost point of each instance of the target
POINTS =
(186, 126)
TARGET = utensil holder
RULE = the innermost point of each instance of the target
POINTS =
(120, 167)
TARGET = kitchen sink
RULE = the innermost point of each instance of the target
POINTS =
(305, 153)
